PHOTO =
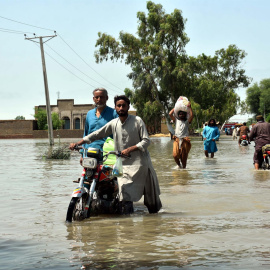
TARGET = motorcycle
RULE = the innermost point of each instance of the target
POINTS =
(97, 192)
(243, 140)
(266, 157)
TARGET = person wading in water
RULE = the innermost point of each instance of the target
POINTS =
(181, 144)
(210, 136)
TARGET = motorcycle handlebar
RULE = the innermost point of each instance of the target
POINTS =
(116, 154)
(77, 148)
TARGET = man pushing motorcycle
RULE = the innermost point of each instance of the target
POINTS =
(260, 133)
(130, 136)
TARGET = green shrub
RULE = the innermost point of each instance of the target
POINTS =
(58, 153)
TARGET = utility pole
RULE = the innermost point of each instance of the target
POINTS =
(48, 106)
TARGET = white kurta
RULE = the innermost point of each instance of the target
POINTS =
(139, 177)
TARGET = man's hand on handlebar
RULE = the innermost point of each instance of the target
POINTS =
(126, 152)
(72, 146)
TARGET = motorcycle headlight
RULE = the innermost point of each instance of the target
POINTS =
(90, 163)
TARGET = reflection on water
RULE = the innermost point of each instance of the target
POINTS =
(129, 242)
(181, 177)
(216, 213)
(261, 175)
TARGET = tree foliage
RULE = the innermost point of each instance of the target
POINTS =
(258, 98)
(41, 117)
(253, 98)
(56, 122)
(244, 107)
(19, 117)
(162, 70)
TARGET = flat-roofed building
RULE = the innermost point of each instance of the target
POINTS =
(74, 115)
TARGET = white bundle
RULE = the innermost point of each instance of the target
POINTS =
(181, 105)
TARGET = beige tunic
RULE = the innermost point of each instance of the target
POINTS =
(139, 177)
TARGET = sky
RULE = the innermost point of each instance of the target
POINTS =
(71, 69)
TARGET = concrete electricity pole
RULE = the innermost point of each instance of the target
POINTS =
(48, 106)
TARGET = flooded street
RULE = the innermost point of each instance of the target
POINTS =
(215, 215)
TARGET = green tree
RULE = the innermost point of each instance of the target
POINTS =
(253, 98)
(41, 117)
(215, 80)
(258, 98)
(265, 97)
(244, 107)
(56, 122)
(155, 56)
(161, 69)
(20, 117)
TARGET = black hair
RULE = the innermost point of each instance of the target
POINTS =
(184, 113)
(122, 97)
(211, 120)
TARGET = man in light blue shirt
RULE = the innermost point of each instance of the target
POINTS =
(99, 116)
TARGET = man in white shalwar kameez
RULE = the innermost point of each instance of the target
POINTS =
(131, 136)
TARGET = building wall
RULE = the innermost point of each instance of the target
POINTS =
(26, 129)
(12, 128)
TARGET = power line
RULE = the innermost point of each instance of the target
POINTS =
(87, 63)
(68, 69)
(21, 32)
(10, 32)
(13, 31)
(73, 65)
(26, 24)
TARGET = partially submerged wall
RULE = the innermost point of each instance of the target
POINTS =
(15, 128)
(22, 129)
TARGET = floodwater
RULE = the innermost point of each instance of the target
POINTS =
(216, 213)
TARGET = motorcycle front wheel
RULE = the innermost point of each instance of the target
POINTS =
(76, 209)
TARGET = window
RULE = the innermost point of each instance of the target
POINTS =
(67, 123)
(77, 123)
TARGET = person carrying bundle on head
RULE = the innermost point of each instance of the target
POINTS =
(182, 115)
